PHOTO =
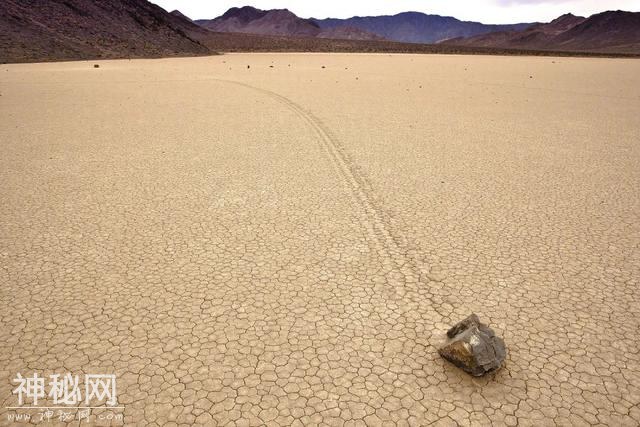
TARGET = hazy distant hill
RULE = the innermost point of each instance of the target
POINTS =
(279, 22)
(613, 31)
(33, 30)
(416, 27)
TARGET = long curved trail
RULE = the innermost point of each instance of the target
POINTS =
(375, 220)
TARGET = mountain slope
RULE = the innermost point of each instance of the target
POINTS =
(535, 37)
(613, 32)
(278, 22)
(607, 31)
(345, 32)
(33, 30)
(416, 27)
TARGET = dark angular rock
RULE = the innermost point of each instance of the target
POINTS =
(474, 347)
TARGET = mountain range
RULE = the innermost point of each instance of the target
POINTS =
(613, 31)
(607, 32)
(410, 27)
(38, 30)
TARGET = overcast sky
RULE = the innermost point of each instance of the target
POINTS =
(487, 11)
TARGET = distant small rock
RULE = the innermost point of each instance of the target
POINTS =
(96, 65)
(474, 347)
(248, 66)
(324, 66)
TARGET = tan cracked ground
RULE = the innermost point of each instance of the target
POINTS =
(288, 245)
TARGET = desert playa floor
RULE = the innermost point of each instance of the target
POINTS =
(288, 243)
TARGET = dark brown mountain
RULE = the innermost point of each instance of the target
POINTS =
(44, 30)
(608, 32)
(278, 22)
(616, 31)
(561, 24)
(536, 36)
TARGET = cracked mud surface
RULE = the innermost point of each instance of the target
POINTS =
(289, 245)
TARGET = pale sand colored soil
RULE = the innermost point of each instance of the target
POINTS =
(292, 247)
